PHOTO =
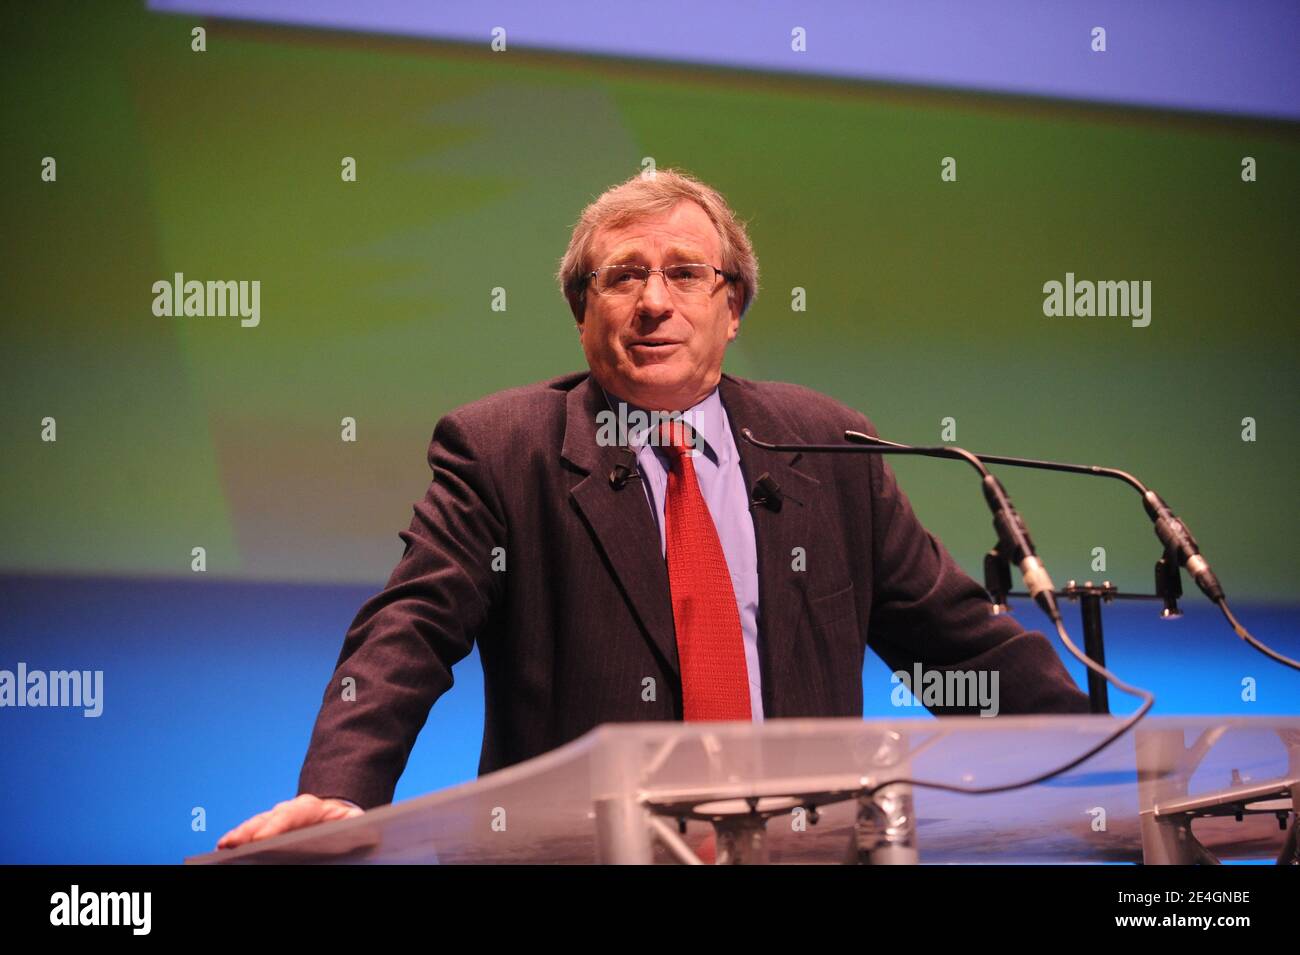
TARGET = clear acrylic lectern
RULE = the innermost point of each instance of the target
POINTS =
(1172, 790)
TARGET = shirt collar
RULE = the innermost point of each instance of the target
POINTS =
(706, 417)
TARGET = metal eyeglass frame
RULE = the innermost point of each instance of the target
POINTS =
(727, 276)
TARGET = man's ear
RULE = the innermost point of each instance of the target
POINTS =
(733, 320)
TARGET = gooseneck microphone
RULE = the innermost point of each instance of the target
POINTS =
(1173, 533)
(1014, 541)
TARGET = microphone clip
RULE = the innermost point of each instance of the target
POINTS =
(620, 474)
(766, 493)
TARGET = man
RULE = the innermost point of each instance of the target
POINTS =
(624, 577)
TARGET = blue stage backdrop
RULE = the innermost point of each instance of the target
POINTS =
(134, 442)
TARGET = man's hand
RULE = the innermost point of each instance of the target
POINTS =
(304, 810)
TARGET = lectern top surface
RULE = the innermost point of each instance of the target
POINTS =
(541, 811)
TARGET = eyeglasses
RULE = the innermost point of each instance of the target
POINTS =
(691, 278)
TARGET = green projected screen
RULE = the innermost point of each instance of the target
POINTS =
(922, 293)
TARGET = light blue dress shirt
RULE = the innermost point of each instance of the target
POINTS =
(722, 483)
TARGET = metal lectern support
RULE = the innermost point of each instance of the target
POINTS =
(885, 830)
(1165, 766)
(742, 840)
(623, 835)
(623, 832)
(885, 833)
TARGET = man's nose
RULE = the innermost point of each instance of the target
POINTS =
(655, 297)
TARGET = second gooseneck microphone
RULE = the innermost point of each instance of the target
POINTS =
(1013, 537)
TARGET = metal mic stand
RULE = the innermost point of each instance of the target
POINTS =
(1091, 597)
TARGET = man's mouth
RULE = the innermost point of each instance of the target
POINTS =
(654, 343)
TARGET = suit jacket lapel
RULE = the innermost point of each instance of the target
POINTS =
(626, 532)
(781, 589)
(620, 520)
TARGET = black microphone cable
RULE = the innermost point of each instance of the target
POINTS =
(1011, 531)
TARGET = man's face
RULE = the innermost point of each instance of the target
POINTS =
(659, 349)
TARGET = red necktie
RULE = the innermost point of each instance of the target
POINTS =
(715, 681)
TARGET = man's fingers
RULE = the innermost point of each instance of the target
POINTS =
(260, 826)
(304, 810)
(285, 816)
(240, 833)
(272, 825)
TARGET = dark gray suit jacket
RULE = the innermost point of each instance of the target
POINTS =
(581, 615)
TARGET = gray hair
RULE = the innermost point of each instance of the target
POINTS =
(638, 198)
